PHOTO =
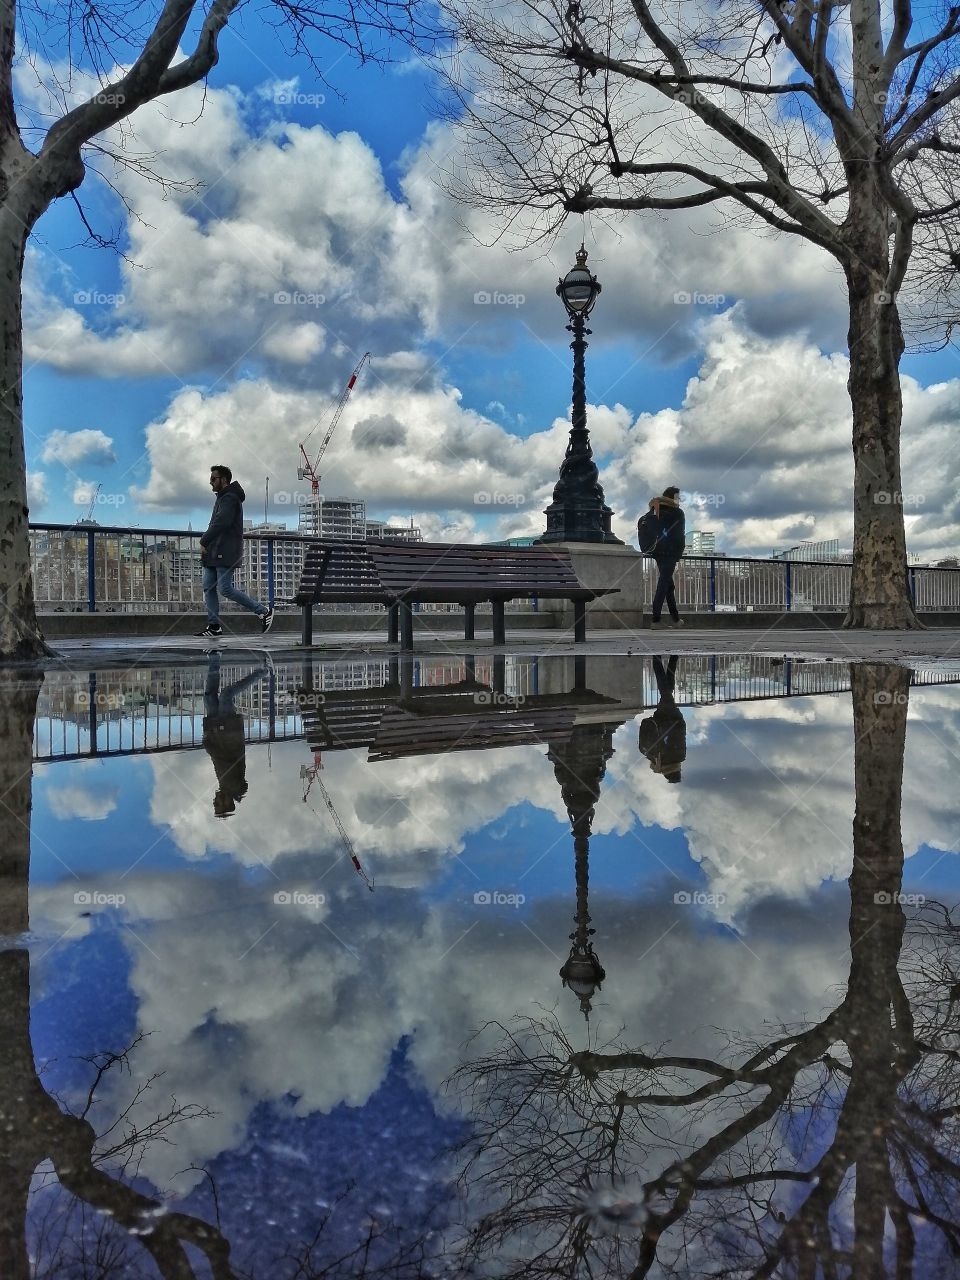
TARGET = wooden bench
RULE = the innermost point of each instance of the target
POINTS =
(399, 575)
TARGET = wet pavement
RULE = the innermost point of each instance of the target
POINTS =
(476, 964)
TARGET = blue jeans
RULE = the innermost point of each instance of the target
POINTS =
(221, 580)
(665, 592)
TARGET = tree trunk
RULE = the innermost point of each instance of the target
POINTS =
(20, 635)
(879, 591)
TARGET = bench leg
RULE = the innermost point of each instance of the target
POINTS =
(499, 624)
(406, 679)
(499, 672)
(306, 638)
(393, 624)
(579, 621)
(469, 621)
(406, 625)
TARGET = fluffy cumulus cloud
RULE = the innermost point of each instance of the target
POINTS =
(91, 802)
(261, 303)
(761, 446)
(70, 448)
(36, 490)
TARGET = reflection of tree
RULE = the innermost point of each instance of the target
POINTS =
(34, 1126)
(67, 1211)
(831, 1150)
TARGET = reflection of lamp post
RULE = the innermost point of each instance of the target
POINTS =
(578, 512)
(579, 765)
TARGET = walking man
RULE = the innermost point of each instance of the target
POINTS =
(222, 550)
(667, 553)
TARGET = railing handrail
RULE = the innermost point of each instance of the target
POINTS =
(258, 535)
(291, 536)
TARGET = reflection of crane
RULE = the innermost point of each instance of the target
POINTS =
(309, 469)
(310, 773)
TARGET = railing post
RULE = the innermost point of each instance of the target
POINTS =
(91, 573)
(713, 585)
(787, 586)
(271, 590)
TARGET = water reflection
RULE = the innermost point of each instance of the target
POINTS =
(223, 738)
(821, 1147)
(37, 1130)
(828, 1149)
(663, 736)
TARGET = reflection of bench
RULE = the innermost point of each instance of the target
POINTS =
(402, 574)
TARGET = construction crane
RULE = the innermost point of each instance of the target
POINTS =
(310, 773)
(93, 503)
(309, 469)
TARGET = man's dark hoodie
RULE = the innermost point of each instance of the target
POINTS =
(222, 544)
(672, 526)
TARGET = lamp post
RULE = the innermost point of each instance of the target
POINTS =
(578, 512)
(579, 764)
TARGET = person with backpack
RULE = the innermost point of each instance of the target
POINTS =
(662, 534)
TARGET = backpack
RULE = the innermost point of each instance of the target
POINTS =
(648, 532)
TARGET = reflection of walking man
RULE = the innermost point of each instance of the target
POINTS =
(223, 736)
(663, 736)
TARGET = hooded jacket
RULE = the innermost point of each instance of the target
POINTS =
(222, 544)
(673, 524)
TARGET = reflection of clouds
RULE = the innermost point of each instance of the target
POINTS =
(396, 811)
(92, 802)
(247, 1002)
(766, 803)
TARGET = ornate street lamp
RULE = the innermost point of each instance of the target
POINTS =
(578, 512)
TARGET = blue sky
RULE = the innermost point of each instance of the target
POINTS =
(741, 401)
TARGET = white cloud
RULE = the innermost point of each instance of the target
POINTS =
(73, 447)
(92, 802)
(36, 489)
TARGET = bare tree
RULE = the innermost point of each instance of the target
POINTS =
(76, 44)
(831, 120)
(828, 1150)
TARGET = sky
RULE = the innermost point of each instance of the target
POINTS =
(303, 222)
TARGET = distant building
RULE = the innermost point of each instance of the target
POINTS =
(333, 518)
(701, 543)
(395, 532)
(288, 560)
(828, 549)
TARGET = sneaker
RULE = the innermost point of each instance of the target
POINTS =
(211, 630)
(654, 626)
(266, 620)
(677, 622)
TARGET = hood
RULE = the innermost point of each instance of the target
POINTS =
(236, 489)
(664, 501)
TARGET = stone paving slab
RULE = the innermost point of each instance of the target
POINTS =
(912, 648)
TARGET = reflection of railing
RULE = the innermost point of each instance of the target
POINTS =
(146, 711)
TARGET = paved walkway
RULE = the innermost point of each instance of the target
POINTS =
(912, 648)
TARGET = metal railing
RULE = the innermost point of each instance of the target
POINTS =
(147, 710)
(94, 568)
(721, 584)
